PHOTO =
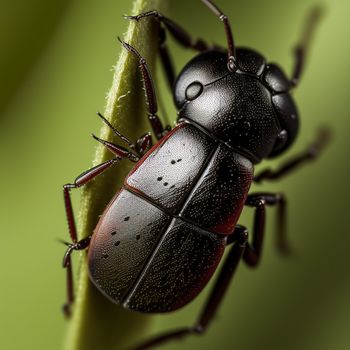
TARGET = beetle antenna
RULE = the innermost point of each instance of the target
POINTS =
(231, 48)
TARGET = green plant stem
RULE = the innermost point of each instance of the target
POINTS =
(96, 322)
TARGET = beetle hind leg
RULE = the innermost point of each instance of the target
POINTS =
(301, 49)
(81, 180)
(67, 264)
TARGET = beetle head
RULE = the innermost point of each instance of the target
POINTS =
(249, 109)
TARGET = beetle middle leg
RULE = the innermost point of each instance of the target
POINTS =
(80, 181)
(142, 144)
(311, 153)
(259, 201)
(226, 274)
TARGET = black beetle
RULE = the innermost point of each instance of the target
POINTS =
(163, 234)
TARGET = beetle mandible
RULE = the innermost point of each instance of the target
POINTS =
(178, 208)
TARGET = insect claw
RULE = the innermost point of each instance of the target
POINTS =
(60, 240)
(96, 138)
(66, 308)
(135, 18)
(130, 48)
(121, 41)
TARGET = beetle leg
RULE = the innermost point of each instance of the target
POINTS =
(158, 129)
(142, 144)
(166, 59)
(179, 33)
(164, 53)
(259, 201)
(302, 47)
(309, 154)
(67, 264)
(215, 297)
(116, 132)
(119, 151)
(81, 180)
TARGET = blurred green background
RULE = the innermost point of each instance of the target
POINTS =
(55, 67)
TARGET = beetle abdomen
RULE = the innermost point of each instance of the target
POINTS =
(147, 261)
(123, 240)
(161, 238)
(180, 267)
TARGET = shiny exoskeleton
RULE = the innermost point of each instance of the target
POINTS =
(163, 234)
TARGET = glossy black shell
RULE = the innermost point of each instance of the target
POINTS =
(250, 109)
(161, 238)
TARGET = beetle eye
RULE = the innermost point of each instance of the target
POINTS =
(194, 90)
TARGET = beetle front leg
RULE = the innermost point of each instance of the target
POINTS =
(178, 33)
(157, 126)
(259, 201)
(225, 277)
(311, 153)
(183, 37)
(164, 53)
